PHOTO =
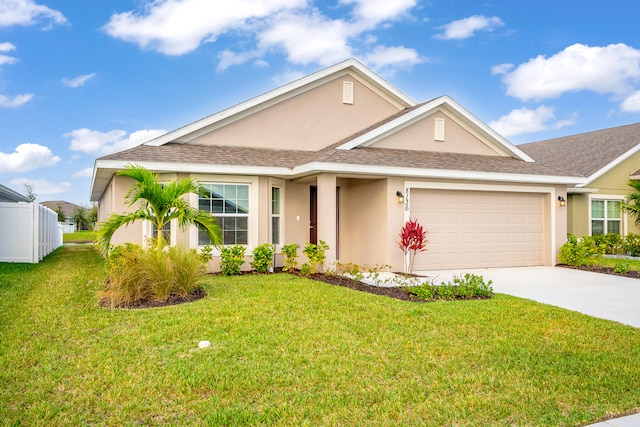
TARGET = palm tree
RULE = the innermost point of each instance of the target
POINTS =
(159, 203)
(631, 204)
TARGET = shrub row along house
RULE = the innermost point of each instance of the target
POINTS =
(344, 157)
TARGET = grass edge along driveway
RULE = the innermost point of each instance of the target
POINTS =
(290, 351)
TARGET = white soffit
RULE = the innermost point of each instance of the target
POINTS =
(350, 66)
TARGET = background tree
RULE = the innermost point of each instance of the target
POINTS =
(159, 204)
(92, 216)
(61, 215)
(631, 203)
(80, 218)
(31, 195)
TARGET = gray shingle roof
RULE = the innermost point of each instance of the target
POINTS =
(585, 154)
(242, 156)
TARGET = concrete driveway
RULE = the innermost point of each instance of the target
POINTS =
(600, 295)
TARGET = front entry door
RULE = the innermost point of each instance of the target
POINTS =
(313, 214)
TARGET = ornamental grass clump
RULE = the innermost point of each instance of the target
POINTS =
(413, 239)
(137, 275)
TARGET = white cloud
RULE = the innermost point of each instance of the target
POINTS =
(28, 12)
(308, 38)
(395, 57)
(103, 143)
(27, 157)
(83, 173)
(613, 69)
(176, 27)
(524, 120)
(6, 59)
(78, 81)
(294, 27)
(42, 186)
(501, 69)
(372, 12)
(16, 101)
(467, 27)
(632, 103)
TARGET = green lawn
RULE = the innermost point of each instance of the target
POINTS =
(83, 236)
(290, 351)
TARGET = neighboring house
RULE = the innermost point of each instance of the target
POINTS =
(8, 195)
(69, 209)
(343, 156)
(608, 159)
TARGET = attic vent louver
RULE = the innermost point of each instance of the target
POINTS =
(347, 93)
(439, 129)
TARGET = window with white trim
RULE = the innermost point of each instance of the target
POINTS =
(605, 217)
(166, 232)
(275, 214)
(229, 203)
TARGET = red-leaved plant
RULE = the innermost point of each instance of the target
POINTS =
(413, 239)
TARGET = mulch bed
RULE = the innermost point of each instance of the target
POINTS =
(391, 292)
(604, 270)
(173, 300)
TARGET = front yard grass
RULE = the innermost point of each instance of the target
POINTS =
(291, 351)
(82, 236)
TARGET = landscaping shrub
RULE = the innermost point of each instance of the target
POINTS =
(135, 274)
(263, 257)
(316, 255)
(469, 286)
(231, 259)
(613, 243)
(632, 244)
(290, 252)
(577, 252)
(413, 239)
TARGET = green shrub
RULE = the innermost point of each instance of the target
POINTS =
(263, 257)
(469, 286)
(231, 259)
(632, 244)
(290, 252)
(613, 243)
(578, 252)
(622, 267)
(316, 255)
(135, 274)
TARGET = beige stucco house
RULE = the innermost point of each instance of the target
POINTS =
(343, 156)
(607, 159)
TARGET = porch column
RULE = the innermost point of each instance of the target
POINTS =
(327, 214)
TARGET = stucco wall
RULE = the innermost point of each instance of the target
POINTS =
(319, 116)
(420, 136)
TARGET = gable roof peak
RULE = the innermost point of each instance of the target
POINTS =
(287, 91)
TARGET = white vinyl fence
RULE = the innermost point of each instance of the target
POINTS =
(28, 232)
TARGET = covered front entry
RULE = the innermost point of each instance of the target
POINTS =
(471, 229)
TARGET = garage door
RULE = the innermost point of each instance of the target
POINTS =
(470, 229)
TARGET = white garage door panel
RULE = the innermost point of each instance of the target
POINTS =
(469, 229)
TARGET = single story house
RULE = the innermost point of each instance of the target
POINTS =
(69, 209)
(343, 156)
(608, 159)
(8, 195)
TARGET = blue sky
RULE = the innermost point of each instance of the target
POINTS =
(81, 79)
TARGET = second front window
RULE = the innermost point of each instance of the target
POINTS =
(229, 203)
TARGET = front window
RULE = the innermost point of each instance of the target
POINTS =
(275, 215)
(605, 217)
(166, 232)
(229, 203)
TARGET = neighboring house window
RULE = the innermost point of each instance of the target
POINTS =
(275, 215)
(605, 217)
(229, 203)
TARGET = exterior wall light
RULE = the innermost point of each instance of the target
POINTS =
(399, 196)
(562, 201)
